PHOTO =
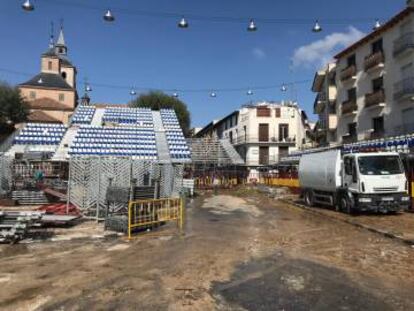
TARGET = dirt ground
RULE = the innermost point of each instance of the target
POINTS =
(244, 252)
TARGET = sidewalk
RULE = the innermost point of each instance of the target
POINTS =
(400, 226)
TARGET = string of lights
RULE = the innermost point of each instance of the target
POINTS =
(283, 87)
(184, 19)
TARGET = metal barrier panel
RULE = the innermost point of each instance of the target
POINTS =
(280, 182)
(145, 213)
(90, 177)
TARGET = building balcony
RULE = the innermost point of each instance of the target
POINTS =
(404, 44)
(349, 139)
(377, 134)
(374, 61)
(404, 89)
(320, 102)
(348, 73)
(376, 99)
(349, 107)
(242, 140)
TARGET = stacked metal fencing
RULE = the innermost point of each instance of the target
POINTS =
(6, 164)
(90, 177)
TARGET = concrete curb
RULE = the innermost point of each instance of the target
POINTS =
(386, 234)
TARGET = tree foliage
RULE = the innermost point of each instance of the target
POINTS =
(13, 107)
(158, 100)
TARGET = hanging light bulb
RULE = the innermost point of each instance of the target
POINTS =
(212, 94)
(88, 88)
(175, 94)
(108, 16)
(252, 26)
(40, 81)
(132, 92)
(27, 6)
(283, 88)
(249, 92)
(377, 25)
(317, 27)
(183, 23)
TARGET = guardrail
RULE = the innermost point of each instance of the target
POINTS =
(147, 213)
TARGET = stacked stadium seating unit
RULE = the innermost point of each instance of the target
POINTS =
(40, 134)
(129, 116)
(83, 115)
(175, 138)
(115, 141)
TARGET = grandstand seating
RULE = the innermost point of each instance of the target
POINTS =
(40, 134)
(117, 141)
(83, 115)
(175, 138)
(129, 116)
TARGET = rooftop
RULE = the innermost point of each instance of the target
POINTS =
(385, 27)
(48, 80)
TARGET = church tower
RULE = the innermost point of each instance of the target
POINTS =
(52, 94)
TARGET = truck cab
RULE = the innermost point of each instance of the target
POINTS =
(373, 182)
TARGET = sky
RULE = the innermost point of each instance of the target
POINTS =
(145, 51)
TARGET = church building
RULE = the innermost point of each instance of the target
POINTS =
(52, 95)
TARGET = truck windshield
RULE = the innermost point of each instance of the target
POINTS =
(380, 165)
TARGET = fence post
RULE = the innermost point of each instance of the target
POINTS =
(129, 220)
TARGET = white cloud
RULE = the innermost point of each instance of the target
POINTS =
(259, 53)
(320, 52)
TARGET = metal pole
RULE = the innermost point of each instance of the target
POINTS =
(68, 192)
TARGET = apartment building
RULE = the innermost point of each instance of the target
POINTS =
(262, 133)
(375, 83)
(325, 105)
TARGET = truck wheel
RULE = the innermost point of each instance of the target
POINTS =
(346, 205)
(309, 198)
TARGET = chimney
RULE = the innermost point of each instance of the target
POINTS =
(410, 3)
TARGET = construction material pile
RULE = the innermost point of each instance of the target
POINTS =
(15, 225)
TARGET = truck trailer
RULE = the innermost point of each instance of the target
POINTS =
(374, 182)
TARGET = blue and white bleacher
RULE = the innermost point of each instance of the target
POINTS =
(176, 141)
(41, 134)
(129, 116)
(83, 115)
(110, 141)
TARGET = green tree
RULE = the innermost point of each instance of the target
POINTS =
(158, 100)
(13, 107)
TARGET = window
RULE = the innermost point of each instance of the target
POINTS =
(32, 95)
(278, 112)
(380, 165)
(283, 131)
(61, 97)
(348, 166)
(377, 46)
(352, 94)
(378, 124)
(263, 132)
(262, 112)
(64, 75)
(49, 65)
(351, 61)
(378, 84)
(352, 129)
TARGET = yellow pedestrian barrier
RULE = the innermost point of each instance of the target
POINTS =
(147, 213)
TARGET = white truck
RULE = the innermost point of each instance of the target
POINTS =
(354, 182)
